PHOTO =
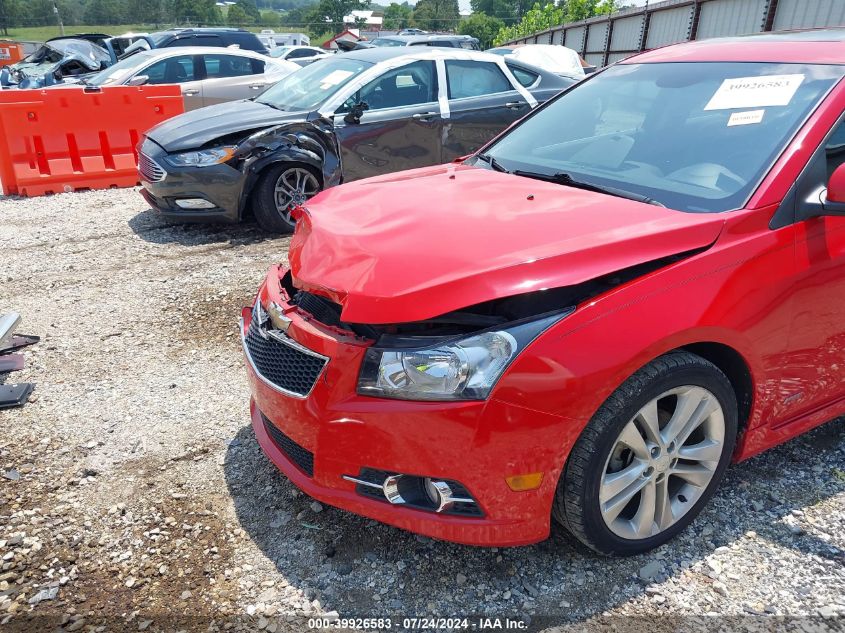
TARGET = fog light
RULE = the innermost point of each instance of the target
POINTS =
(519, 483)
(194, 203)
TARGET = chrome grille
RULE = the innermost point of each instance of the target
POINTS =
(150, 170)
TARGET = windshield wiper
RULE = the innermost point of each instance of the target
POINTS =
(495, 164)
(562, 178)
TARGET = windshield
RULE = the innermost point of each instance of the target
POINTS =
(307, 89)
(695, 137)
(120, 71)
(386, 41)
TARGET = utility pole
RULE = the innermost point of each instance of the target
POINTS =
(58, 17)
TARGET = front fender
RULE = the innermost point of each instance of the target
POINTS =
(309, 143)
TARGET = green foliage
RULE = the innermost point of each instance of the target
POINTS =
(146, 11)
(105, 12)
(541, 18)
(251, 10)
(236, 16)
(398, 16)
(327, 16)
(482, 27)
(437, 15)
(504, 10)
(9, 11)
(270, 19)
(195, 12)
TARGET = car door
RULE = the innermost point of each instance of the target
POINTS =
(230, 77)
(816, 349)
(401, 127)
(482, 103)
(181, 70)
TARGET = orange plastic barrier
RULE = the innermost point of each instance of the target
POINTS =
(62, 139)
(10, 52)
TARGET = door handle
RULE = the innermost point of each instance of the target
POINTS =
(257, 86)
(424, 116)
(514, 105)
(190, 92)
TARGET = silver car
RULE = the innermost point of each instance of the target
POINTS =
(206, 74)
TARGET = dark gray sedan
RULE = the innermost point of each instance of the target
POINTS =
(347, 117)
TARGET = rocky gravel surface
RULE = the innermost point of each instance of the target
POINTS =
(133, 495)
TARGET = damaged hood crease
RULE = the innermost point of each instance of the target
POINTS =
(415, 245)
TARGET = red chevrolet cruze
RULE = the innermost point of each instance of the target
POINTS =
(586, 321)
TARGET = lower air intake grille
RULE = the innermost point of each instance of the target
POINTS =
(300, 456)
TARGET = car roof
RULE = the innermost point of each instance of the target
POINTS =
(383, 53)
(200, 50)
(811, 46)
(427, 37)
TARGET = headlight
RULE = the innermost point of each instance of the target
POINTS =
(202, 158)
(456, 369)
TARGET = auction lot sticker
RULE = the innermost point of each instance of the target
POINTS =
(755, 92)
(5, 53)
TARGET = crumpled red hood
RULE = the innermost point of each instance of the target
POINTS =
(419, 244)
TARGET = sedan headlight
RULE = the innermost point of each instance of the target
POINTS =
(457, 369)
(202, 158)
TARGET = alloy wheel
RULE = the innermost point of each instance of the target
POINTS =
(294, 186)
(662, 462)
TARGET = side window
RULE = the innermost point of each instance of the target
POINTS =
(257, 66)
(834, 150)
(475, 79)
(301, 52)
(524, 77)
(173, 70)
(411, 84)
(219, 66)
(187, 40)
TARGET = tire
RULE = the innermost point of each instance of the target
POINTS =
(608, 461)
(268, 198)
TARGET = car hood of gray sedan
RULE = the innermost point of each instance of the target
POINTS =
(197, 128)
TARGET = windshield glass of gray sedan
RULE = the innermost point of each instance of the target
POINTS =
(308, 88)
(692, 137)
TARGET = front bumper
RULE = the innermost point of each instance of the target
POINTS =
(475, 443)
(221, 185)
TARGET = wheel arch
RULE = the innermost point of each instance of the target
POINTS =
(257, 170)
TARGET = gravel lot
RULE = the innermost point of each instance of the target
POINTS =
(134, 496)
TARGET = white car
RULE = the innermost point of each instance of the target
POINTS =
(206, 74)
(557, 59)
(301, 55)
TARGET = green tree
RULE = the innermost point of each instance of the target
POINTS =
(145, 11)
(539, 18)
(505, 10)
(295, 17)
(398, 16)
(195, 12)
(327, 16)
(251, 10)
(9, 14)
(270, 19)
(105, 12)
(483, 27)
(237, 16)
(437, 15)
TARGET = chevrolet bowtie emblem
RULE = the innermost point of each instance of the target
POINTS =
(277, 317)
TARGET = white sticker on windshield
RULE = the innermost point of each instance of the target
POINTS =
(755, 92)
(746, 118)
(334, 78)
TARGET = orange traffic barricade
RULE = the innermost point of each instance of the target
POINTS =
(10, 52)
(63, 139)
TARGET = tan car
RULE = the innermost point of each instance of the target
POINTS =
(206, 74)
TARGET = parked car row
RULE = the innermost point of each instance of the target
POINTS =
(351, 116)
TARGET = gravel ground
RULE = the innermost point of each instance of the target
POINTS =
(133, 495)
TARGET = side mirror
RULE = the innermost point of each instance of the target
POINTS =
(357, 111)
(833, 200)
(138, 80)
